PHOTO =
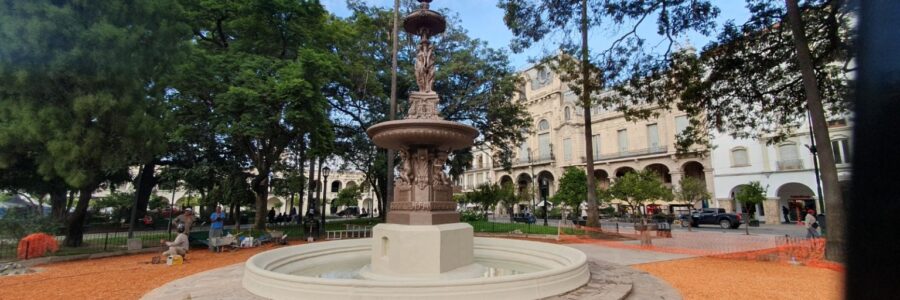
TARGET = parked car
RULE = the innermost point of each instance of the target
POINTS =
(713, 216)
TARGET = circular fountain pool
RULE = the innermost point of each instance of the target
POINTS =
(503, 269)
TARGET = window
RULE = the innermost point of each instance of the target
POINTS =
(567, 149)
(478, 163)
(595, 143)
(841, 148)
(652, 136)
(623, 140)
(479, 179)
(568, 113)
(739, 157)
(837, 122)
(470, 181)
(789, 159)
(523, 151)
(681, 123)
(335, 186)
(544, 145)
(543, 125)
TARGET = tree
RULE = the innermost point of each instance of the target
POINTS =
(691, 190)
(487, 196)
(749, 196)
(572, 189)
(77, 80)
(348, 196)
(763, 79)
(639, 189)
(590, 73)
(258, 69)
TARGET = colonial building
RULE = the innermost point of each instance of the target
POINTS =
(337, 180)
(786, 169)
(557, 142)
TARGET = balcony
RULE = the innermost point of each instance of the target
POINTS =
(790, 164)
(632, 153)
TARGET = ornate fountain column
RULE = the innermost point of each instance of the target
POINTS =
(423, 192)
(437, 244)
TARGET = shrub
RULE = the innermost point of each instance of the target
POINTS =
(36, 245)
(18, 223)
(471, 216)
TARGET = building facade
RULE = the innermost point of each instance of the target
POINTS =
(557, 142)
(786, 170)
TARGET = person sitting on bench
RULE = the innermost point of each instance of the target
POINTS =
(179, 246)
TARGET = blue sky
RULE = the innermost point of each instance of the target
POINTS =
(484, 21)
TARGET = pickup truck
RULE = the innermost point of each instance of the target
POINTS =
(716, 216)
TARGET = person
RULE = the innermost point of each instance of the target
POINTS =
(217, 223)
(786, 212)
(148, 221)
(271, 215)
(179, 246)
(812, 230)
(187, 219)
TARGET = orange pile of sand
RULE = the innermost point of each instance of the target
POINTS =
(122, 277)
(716, 278)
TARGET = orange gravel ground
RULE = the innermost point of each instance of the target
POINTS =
(122, 277)
(716, 278)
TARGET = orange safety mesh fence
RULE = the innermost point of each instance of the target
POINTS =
(733, 245)
(36, 245)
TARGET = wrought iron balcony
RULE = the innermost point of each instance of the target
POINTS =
(632, 153)
(790, 164)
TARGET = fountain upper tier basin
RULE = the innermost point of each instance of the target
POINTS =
(328, 270)
(407, 133)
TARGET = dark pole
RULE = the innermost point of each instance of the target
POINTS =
(395, 36)
(872, 244)
(326, 171)
(137, 189)
(544, 199)
(172, 207)
(815, 154)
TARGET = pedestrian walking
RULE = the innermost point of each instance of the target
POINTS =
(786, 212)
(812, 227)
(216, 224)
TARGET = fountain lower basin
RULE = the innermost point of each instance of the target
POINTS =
(504, 269)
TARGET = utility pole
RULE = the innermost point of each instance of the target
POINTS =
(389, 194)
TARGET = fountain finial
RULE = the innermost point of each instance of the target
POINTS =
(425, 23)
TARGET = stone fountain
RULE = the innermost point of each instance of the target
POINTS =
(423, 251)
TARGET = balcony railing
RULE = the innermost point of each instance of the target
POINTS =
(790, 164)
(632, 153)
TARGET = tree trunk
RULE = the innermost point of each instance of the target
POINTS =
(260, 187)
(70, 202)
(145, 188)
(835, 231)
(593, 215)
(312, 182)
(300, 164)
(75, 226)
(58, 205)
(690, 221)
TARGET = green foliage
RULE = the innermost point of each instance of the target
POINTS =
(158, 202)
(81, 88)
(471, 216)
(691, 190)
(120, 203)
(488, 195)
(572, 189)
(639, 188)
(18, 223)
(751, 194)
(348, 196)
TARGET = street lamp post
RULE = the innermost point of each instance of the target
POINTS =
(533, 179)
(544, 199)
(325, 172)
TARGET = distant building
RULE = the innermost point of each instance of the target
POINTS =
(620, 146)
(786, 168)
